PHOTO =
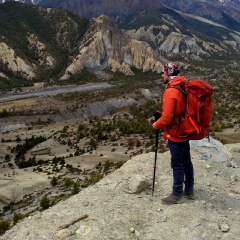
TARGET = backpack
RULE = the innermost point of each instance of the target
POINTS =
(195, 123)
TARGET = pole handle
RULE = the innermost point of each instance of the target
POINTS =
(157, 115)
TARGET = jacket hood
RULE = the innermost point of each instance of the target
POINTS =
(179, 80)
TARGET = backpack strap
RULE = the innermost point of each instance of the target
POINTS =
(180, 88)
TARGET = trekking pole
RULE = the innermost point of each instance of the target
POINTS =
(157, 115)
(155, 161)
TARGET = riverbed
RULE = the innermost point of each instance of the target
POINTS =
(54, 91)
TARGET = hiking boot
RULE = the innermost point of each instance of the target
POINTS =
(171, 199)
(189, 195)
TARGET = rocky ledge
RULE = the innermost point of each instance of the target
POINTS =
(120, 206)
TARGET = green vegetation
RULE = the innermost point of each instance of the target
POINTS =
(45, 202)
(18, 217)
(76, 188)
(189, 26)
(54, 181)
(16, 82)
(129, 127)
(4, 226)
(21, 149)
(56, 29)
(227, 108)
(122, 85)
(68, 182)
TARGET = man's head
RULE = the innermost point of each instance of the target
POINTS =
(169, 70)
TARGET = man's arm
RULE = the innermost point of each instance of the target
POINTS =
(168, 110)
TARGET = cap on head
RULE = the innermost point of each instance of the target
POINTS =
(171, 69)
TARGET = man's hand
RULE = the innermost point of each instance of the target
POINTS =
(157, 115)
(154, 125)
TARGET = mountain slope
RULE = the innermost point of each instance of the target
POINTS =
(112, 8)
(184, 37)
(226, 13)
(110, 210)
(45, 43)
(209, 38)
(105, 45)
(223, 12)
(37, 38)
(48, 44)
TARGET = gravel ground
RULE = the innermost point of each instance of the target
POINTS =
(107, 211)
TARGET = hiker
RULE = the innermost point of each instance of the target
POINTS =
(174, 106)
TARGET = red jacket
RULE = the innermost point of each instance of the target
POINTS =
(174, 106)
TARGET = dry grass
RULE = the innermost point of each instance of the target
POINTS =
(229, 135)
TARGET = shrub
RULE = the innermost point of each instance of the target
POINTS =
(45, 202)
(4, 226)
(119, 164)
(54, 181)
(75, 189)
(7, 158)
(68, 182)
(17, 217)
(106, 166)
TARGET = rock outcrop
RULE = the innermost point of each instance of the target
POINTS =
(44, 57)
(109, 210)
(106, 45)
(65, 44)
(15, 63)
(174, 43)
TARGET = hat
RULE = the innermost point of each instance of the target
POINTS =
(171, 69)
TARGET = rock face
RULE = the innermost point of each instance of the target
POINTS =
(6, 126)
(38, 41)
(44, 58)
(106, 45)
(174, 43)
(107, 211)
(15, 63)
(65, 44)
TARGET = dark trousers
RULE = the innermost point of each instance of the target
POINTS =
(181, 164)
